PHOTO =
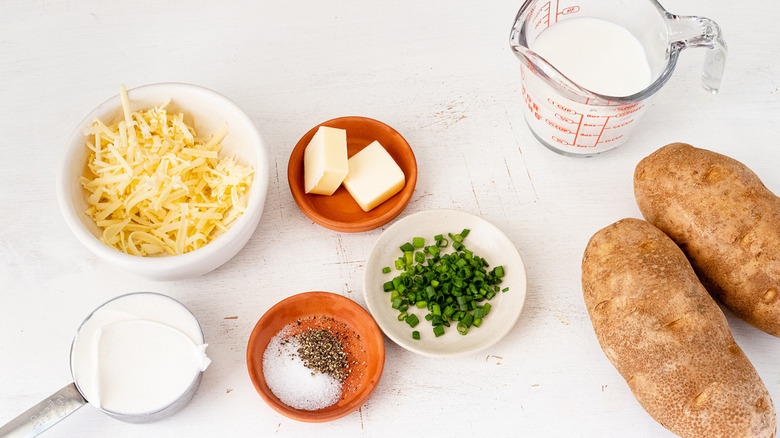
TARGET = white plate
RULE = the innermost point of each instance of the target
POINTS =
(486, 241)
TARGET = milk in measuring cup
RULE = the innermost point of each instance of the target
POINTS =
(596, 54)
(589, 67)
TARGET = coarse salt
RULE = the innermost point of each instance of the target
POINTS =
(289, 379)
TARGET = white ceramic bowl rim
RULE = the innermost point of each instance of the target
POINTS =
(426, 224)
(164, 263)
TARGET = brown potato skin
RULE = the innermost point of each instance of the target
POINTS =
(724, 219)
(668, 338)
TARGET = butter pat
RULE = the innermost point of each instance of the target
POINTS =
(325, 161)
(373, 176)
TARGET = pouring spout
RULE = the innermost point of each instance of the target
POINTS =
(687, 31)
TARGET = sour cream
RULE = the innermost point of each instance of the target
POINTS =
(138, 354)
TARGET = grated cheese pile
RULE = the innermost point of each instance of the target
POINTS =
(155, 188)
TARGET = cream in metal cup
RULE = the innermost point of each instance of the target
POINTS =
(574, 121)
(147, 307)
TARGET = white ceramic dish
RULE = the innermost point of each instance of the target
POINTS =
(485, 240)
(207, 111)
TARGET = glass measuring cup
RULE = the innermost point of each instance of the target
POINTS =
(574, 121)
(69, 399)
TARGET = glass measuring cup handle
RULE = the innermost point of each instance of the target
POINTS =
(688, 31)
(45, 414)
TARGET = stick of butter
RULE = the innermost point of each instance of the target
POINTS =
(373, 176)
(325, 161)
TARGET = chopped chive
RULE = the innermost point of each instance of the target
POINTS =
(386, 270)
(452, 287)
(407, 247)
(416, 335)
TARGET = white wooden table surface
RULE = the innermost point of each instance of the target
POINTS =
(442, 74)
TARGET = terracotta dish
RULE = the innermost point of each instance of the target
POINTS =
(364, 346)
(339, 211)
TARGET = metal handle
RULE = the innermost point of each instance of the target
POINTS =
(45, 414)
(702, 32)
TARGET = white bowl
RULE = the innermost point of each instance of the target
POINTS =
(207, 111)
(487, 241)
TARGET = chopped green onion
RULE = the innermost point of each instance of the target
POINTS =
(407, 247)
(452, 287)
(416, 335)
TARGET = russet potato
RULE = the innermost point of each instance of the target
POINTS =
(668, 338)
(724, 219)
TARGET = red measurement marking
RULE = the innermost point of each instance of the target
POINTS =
(564, 119)
(540, 19)
(602, 131)
(564, 130)
(569, 10)
(578, 129)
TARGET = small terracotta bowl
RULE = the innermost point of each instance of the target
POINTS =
(365, 346)
(340, 212)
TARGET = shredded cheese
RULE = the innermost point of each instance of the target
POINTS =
(155, 188)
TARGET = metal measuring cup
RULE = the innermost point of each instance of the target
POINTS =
(67, 400)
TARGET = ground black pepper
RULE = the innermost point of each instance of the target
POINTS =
(321, 351)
